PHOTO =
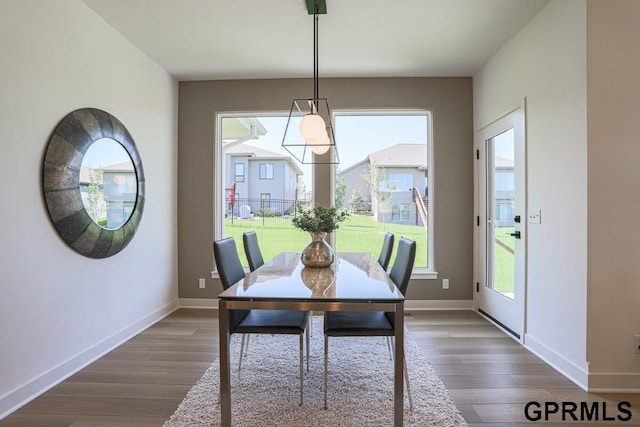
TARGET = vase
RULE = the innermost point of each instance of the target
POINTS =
(319, 280)
(318, 254)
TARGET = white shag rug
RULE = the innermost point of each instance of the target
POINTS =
(266, 392)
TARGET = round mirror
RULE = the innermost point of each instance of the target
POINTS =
(108, 185)
(93, 183)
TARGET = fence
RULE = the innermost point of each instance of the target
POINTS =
(262, 212)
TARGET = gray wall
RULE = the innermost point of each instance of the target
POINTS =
(449, 100)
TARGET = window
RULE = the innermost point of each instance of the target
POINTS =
(382, 178)
(239, 172)
(397, 182)
(400, 212)
(266, 170)
(273, 184)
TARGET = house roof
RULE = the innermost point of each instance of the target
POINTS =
(401, 155)
(262, 154)
(85, 171)
(503, 162)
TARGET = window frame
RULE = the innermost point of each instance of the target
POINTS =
(418, 272)
(268, 167)
(429, 272)
(235, 172)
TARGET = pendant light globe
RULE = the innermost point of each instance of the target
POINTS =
(319, 145)
(312, 127)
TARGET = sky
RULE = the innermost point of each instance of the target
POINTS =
(105, 152)
(356, 136)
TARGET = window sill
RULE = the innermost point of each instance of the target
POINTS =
(417, 274)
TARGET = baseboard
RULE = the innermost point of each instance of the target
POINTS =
(409, 305)
(24, 394)
(614, 382)
(574, 373)
(199, 303)
(427, 304)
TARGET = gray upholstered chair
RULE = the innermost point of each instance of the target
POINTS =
(368, 323)
(257, 321)
(385, 252)
(252, 250)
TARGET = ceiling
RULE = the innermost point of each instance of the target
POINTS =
(248, 39)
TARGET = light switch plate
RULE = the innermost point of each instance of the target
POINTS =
(534, 216)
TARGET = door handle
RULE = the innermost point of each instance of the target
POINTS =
(516, 234)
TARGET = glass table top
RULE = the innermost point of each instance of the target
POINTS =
(353, 276)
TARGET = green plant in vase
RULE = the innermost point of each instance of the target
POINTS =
(318, 221)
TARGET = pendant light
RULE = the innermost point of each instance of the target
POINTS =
(309, 135)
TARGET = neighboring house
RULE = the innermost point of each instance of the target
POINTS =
(403, 168)
(504, 188)
(264, 180)
(118, 196)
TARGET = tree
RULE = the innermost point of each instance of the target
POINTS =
(95, 203)
(376, 178)
(341, 189)
(356, 202)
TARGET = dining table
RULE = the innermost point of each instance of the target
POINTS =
(354, 282)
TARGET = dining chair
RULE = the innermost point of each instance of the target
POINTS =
(252, 250)
(372, 323)
(244, 322)
(385, 252)
(254, 257)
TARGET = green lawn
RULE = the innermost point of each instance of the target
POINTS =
(359, 233)
(504, 266)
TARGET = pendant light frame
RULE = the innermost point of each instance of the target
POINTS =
(293, 141)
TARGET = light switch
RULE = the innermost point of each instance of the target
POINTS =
(534, 216)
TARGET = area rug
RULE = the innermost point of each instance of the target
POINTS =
(266, 391)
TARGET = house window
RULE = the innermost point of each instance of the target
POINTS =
(397, 182)
(400, 212)
(266, 170)
(238, 172)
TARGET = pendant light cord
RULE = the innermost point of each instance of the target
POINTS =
(315, 55)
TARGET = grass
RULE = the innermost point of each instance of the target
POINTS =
(504, 265)
(359, 233)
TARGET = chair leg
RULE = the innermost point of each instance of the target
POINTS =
(326, 359)
(389, 348)
(406, 377)
(301, 370)
(241, 351)
(246, 345)
(308, 333)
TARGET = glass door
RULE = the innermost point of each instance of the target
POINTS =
(501, 224)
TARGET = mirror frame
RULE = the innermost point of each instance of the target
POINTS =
(75, 133)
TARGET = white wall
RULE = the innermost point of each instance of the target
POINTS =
(58, 309)
(614, 206)
(546, 63)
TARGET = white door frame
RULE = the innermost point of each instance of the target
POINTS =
(509, 315)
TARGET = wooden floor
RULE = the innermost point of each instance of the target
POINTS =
(489, 375)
